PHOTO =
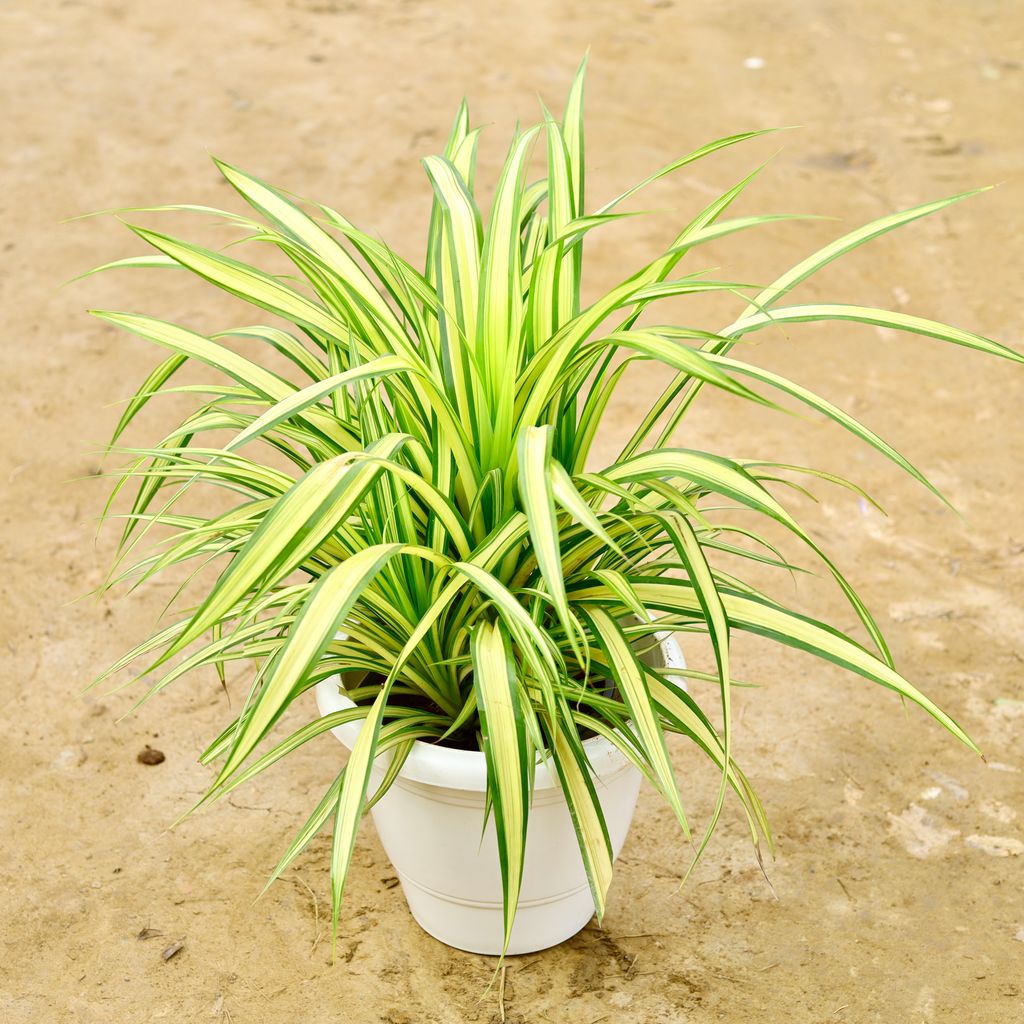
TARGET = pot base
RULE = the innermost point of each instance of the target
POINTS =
(475, 927)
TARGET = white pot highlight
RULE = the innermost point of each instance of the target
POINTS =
(429, 823)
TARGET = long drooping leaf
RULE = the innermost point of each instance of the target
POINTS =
(301, 521)
(535, 483)
(847, 243)
(301, 400)
(880, 318)
(702, 578)
(499, 699)
(321, 617)
(303, 229)
(587, 815)
(352, 799)
(628, 676)
(822, 405)
(758, 615)
(248, 283)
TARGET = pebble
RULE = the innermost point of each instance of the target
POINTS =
(754, 63)
(172, 950)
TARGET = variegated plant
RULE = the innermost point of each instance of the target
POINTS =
(427, 517)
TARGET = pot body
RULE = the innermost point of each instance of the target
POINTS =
(429, 823)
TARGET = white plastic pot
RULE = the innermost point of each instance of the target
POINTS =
(429, 823)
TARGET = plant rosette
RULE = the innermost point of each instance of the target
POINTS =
(409, 459)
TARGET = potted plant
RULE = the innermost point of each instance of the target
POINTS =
(419, 537)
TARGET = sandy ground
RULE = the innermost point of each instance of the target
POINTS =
(898, 885)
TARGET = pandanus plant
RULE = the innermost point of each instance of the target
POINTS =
(417, 508)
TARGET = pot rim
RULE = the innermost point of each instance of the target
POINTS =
(450, 768)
